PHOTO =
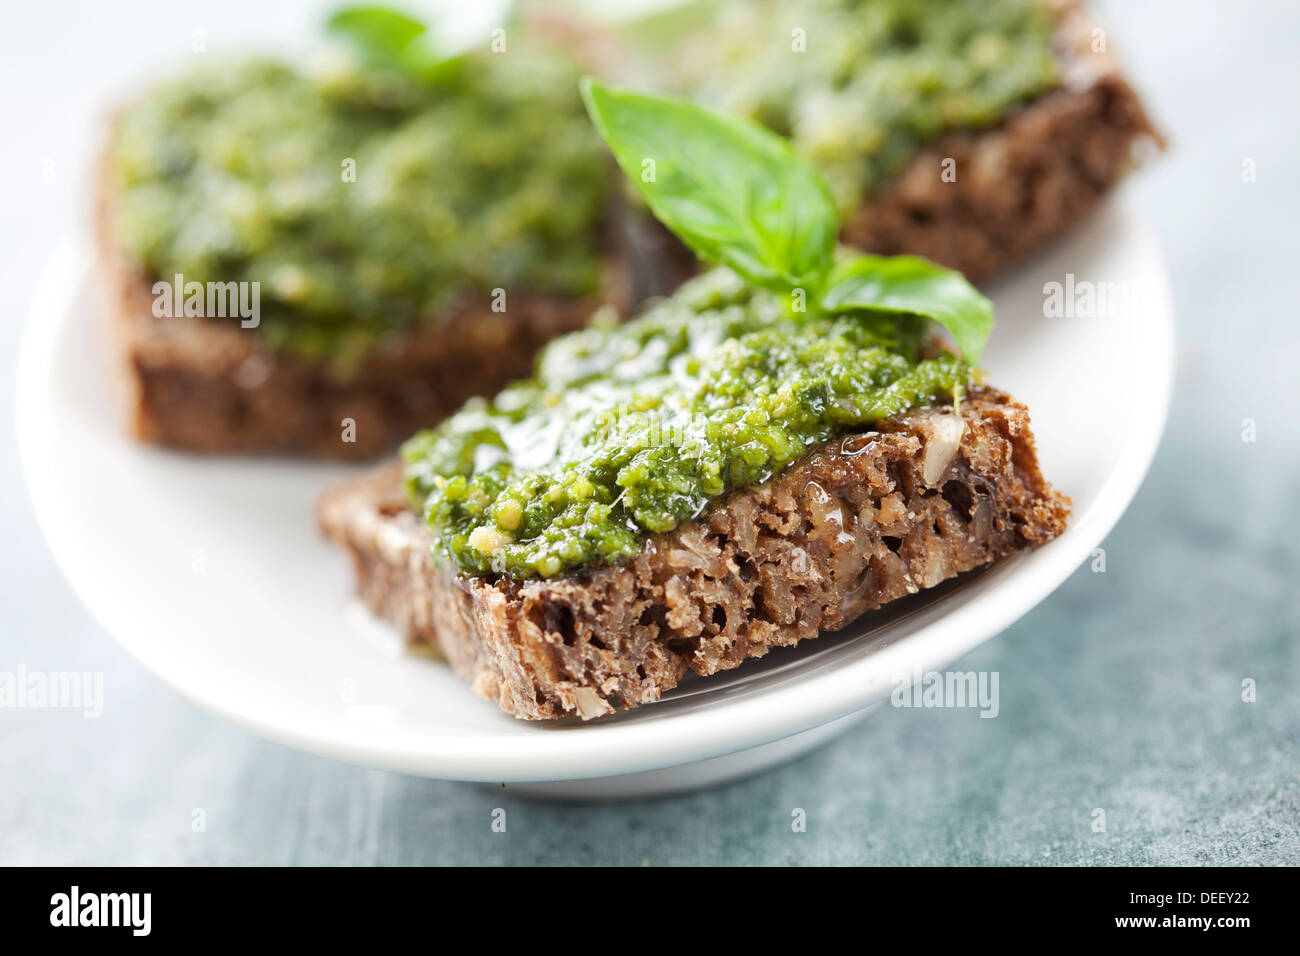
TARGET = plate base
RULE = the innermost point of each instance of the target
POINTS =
(691, 776)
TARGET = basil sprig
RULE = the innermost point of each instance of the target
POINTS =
(739, 195)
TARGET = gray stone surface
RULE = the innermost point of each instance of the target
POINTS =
(1122, 692)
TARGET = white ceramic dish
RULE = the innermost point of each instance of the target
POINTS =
(210, 571)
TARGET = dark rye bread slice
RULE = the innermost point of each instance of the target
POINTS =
(1022, 182)
(858, 522)
(208, 385)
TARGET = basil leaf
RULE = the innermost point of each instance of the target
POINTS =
(386, 37)
(915, 286)
(734, 192)
(376, 31)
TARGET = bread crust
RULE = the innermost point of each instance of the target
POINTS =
(858, 522)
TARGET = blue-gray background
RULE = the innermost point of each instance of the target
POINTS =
(1123, 691)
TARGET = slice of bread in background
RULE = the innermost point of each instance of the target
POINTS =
(858, 522)
(1023, 182)
(209, 385)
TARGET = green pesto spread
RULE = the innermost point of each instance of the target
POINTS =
(362, 199)
(628, 430)
(876, 79)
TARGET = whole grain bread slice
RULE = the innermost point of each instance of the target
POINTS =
(859, 521)
(980, 201)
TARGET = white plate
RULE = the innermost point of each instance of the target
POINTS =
(210, 571)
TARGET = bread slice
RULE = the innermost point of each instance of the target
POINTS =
(208, 385)
(859, 521)
(1024, 181)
